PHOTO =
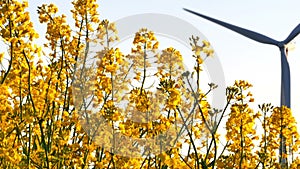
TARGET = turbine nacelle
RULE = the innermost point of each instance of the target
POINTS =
(289, 47)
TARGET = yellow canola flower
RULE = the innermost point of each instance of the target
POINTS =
(197, 51)
(174, 98)
(1, 56)
(155, 46)
(111, 68)
(205, 43)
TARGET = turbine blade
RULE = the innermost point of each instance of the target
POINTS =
(248, 33)
(285, 81)
(293, 34)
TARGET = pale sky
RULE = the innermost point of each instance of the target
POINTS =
(241, 58)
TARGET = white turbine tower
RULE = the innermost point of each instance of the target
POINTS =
(284, 47)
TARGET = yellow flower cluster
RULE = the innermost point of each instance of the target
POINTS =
(107, 32)
(140, 98)
(111, 61)
(85, 14)
(240, 125)
(201, 50)
(170, 63)
(110, 111)
(144, 40)
(172, 90)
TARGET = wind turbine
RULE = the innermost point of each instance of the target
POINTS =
(285, 99)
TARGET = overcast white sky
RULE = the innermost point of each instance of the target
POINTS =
(241, 58)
